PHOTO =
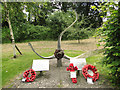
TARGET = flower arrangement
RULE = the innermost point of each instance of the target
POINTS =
(71, 68)
(93, 69)
(32, 75)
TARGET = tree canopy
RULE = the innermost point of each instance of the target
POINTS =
(30, 19)
(110, 34)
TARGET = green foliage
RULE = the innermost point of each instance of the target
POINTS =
(110, 32)
(58, 21)
(80, 31)
(85, 9)
(21, 28)
(16, 17)
(38, 10)
(51, 20)
(38, 32)
(5, 35)
(26, 32)
(77, 33)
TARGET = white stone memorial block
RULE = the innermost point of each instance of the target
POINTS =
(80, 62)
(73, 74)
(40, 65)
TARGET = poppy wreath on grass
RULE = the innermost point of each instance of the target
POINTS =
(93, 69)
(32, 74)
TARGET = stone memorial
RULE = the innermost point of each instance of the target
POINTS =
(76, 64)
(40, 65)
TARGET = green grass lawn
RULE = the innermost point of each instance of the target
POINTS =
(73, 53)
(96, 60)
(12, 67)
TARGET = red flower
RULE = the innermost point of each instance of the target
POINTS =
(74, 80)
(92, 68)
(71, 68)
(33, 75)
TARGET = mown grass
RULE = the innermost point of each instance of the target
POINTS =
(73, 53)
(96, 60)
(12, 67)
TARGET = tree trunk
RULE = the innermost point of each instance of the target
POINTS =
(59, 62)
(29, 16)
(11, 32)
(15, 46)
(119, 13)
(78, 41)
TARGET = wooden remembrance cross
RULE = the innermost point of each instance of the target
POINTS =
(59, 53)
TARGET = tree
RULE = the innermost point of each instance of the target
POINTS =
(38, 12)
(11, 31)
(110, 32)
(78, 34)
(80, 31)
(17, 18)
(58, 21)
(8, 10)
(84, 9)
(56, 15)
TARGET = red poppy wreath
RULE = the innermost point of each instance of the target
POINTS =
(93, 69)
(30, 75)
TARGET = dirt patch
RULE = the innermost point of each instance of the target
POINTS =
(58, 77)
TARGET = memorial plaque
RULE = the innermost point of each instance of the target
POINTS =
(40, 65)
(80, 62)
